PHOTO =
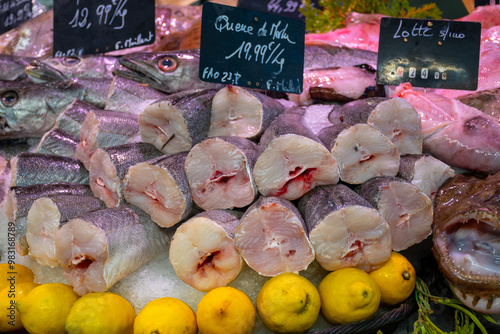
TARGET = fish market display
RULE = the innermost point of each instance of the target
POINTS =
(203, 252)
(219, 172)
(488, 101)
(108, 166)
(178, 122)
(72, 118)
(345, 230)
(455, 133)
(465, 237)
(99, 248)
(407, 210)
(315, 115)
(12, 67)
(47, 215)
(361, 151)
(293, 159)
(104, 128)
(160, 188)
(58, 142)
(396, 118)
(241, 112)
(272, 237)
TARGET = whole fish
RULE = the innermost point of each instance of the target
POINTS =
(99, 248)
(203, 252)
(488, 101)
(12, 67)
(455, 133)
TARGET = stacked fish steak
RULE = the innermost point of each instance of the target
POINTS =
(141, 158)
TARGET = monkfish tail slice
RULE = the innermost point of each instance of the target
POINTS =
(362, 152)
(99, 248)
(71, 119)
(20, 199)
(399, 121)
(58, 142)
(292, 160)
(315, 116)
(425, 172)
(466, 236)
(407, 210)
(178, 122)
(219, 172)
(108, 166)
(345, 230)
(26, 169)
(159, 187)
(237, 111)
(47, 215)
(272, 237)
(104, 128)
(354, 112)
(202, 251)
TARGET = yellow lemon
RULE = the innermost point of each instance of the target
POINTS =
(14, 273)
(396, 279)
(46, 307)
(166, 315)
(225, 310)
(348, 295)
(101, 312)
(10, 319)
(288, 303)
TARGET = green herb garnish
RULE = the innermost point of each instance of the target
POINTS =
(333, 13)
(465, 319)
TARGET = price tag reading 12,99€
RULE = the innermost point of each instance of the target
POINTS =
(99, 26)
(251, 49)
(429, 53)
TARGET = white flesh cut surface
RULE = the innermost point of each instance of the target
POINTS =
(203, 255)
(272, 241)
(219, 176)
(362, 153)
(400, 122)
(430, 174)
(152, 189)
(353, 236)
(291, 165)
(235, 112)
(42, 223)
(408, 211)
(164, 128)
(103, 180)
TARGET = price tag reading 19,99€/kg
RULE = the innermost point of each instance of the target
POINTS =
(429, 53)
(13, 13)
(251, 49)
(99, 26)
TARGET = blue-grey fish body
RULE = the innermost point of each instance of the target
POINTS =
(71, 119)
(58, 142)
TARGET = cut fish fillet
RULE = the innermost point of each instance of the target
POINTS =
(160, 188)
(202, 250)
(219, 172)
(272, 237)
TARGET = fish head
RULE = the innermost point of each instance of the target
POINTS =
(169, 72)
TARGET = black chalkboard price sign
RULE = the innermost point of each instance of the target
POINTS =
(98, 26)
(13, 13)
(429, 53)
(251, 49)
(288, 8)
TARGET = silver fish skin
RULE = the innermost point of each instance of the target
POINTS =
(345, 229)
(29, 110)
(47, 215)
(159, 187)
(128, 96)
(176, 123)
(71, 119)
(37, 168)
(12, 67)
(122, 240)
(4, 179)
(169, 72)
(104, 128)
(63, 68)
(488, 101)
(108, 166)
(58, 142)
(20, 199)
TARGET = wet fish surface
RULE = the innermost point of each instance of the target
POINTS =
(58, 142)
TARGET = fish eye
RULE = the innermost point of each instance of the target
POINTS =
(167, 64)
(9, 98)
(70, 61)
